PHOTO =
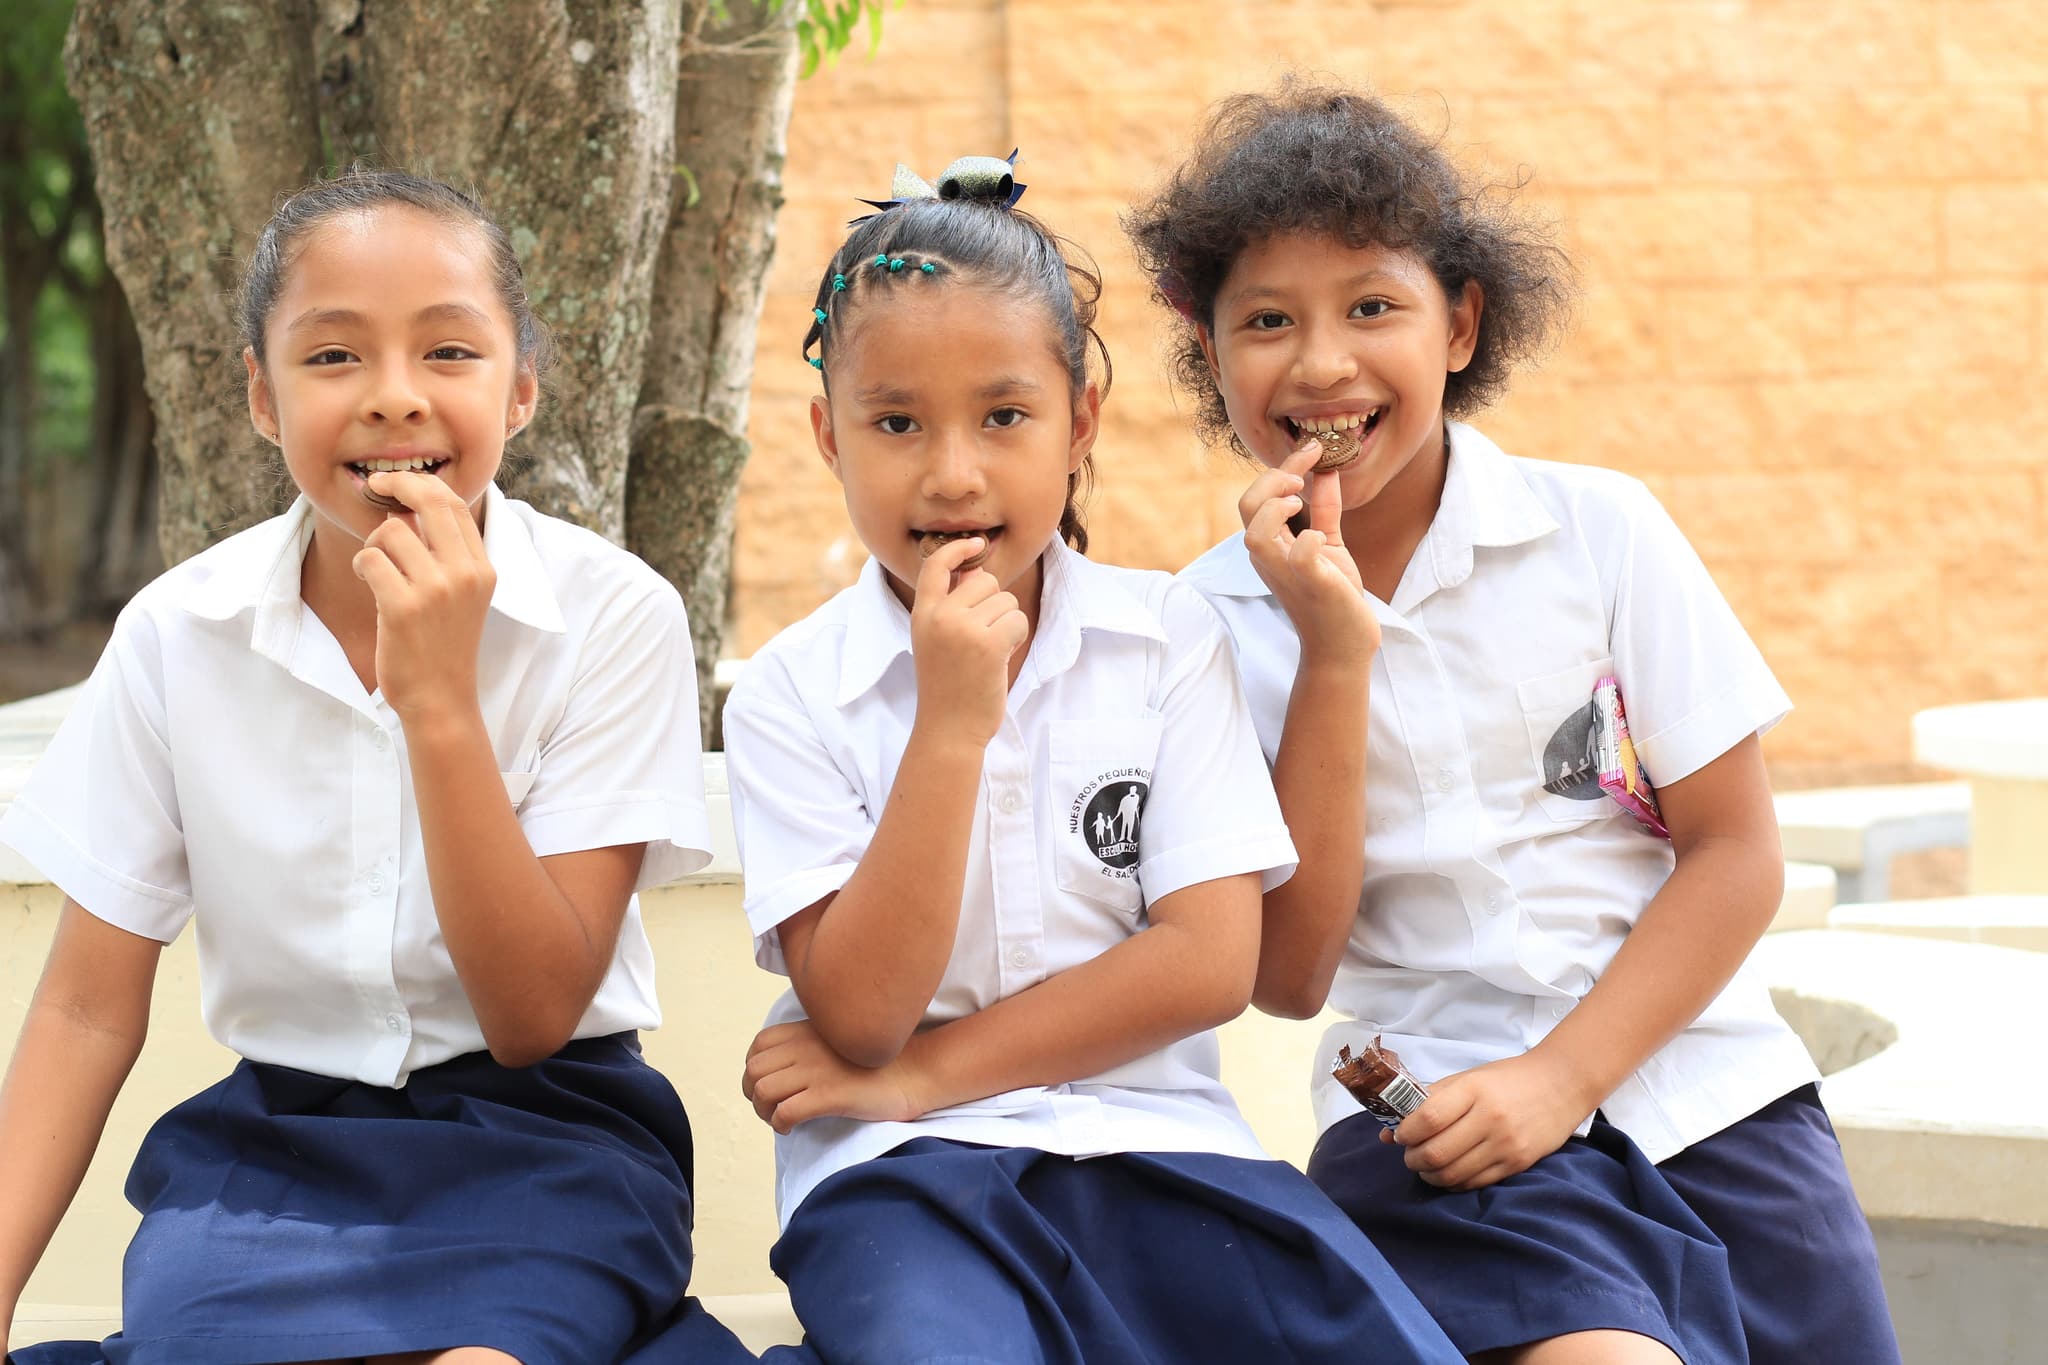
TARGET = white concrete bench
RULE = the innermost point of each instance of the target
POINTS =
(1859, 830)
(1934, 1075)
(2004, 921)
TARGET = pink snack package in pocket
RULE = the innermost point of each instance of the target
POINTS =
(1621, 773)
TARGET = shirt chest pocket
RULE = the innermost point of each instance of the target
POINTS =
(1101, 776)
(1563, 732)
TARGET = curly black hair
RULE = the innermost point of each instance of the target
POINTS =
(1325, 160)
(990, 244)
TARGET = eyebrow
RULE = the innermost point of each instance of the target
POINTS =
(1358, 281)
(434, 312)
(1002, 386)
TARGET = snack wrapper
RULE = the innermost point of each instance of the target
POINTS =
(1378, 1081)
(1621, 773)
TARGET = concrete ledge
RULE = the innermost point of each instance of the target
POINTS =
(2003, 921)
(1944, 1121)
(1859, 830)
(758, 1320)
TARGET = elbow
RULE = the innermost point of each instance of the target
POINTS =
(870, 1048)
(514, 1054)
(527, 1042)
(1287, 1000)
(1229, 992)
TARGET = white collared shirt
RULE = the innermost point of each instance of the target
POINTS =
(1491, 902)
(1126, 768)
(225, 764)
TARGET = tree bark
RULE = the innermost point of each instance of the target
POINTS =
(197, 118)
(120, 554)
(562, 115)
(733, 100)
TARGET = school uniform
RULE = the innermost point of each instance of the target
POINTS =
(1499, 882)
(368, 1180)
(1128, 1216)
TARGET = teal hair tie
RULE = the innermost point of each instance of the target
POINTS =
(819, 314)
(896, 265)
(929, 269)
(817, 362)
(882, 260)
(838, 284)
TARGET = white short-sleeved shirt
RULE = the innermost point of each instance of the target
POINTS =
(1497, 891)
(1126, 768)
(225, 764)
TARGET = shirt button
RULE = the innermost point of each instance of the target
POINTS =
(394, 1023)
(1020, 957)
(1009, 802)
(380, 740)
(376, 883)
(1557, 1011)
(1492, 903)
(1443, 779)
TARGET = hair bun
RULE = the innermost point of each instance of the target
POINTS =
(979, 177)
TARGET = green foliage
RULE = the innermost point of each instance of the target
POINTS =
(49, 212)
(62, 425)
(825, 28)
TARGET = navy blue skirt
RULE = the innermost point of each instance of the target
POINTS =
(1748, 1246)
(543, 1211)
(943, 1251)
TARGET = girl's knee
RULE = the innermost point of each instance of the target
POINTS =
(1584, 1348)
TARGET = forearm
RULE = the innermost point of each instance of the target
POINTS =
(868, 968)
(1688, 944)
(1319, 775)
(67, 1071)
(528, 961)
(1168, 982)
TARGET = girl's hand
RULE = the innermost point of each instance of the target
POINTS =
(433, 583)
(961, 638)
(1494, 1121)
(792, 1074)
(1312, 573)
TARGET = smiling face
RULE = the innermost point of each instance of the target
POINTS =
(950, 410)
(1313, 335)
(388, 348)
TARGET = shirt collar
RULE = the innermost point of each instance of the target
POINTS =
(258, 571)
(1075, 595)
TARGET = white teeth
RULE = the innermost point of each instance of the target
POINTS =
(1345, 423)
(395, 466)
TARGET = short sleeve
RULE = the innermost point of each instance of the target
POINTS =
(1693, 683)
(1211, 811)
(99, 815)
(622, 764)
(801, 825)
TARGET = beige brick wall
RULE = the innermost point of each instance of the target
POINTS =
(1814, 235)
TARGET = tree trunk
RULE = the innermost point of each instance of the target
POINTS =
(20, 596)
(198, 116)
(119, 555)
(562, 114)
(733, 100)
(633, 150)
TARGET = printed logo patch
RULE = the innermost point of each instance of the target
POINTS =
(1106, 815)
(1571, 761)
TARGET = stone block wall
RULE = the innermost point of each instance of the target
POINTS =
(1815, 264)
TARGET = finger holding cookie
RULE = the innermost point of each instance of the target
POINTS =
(1310, 571)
